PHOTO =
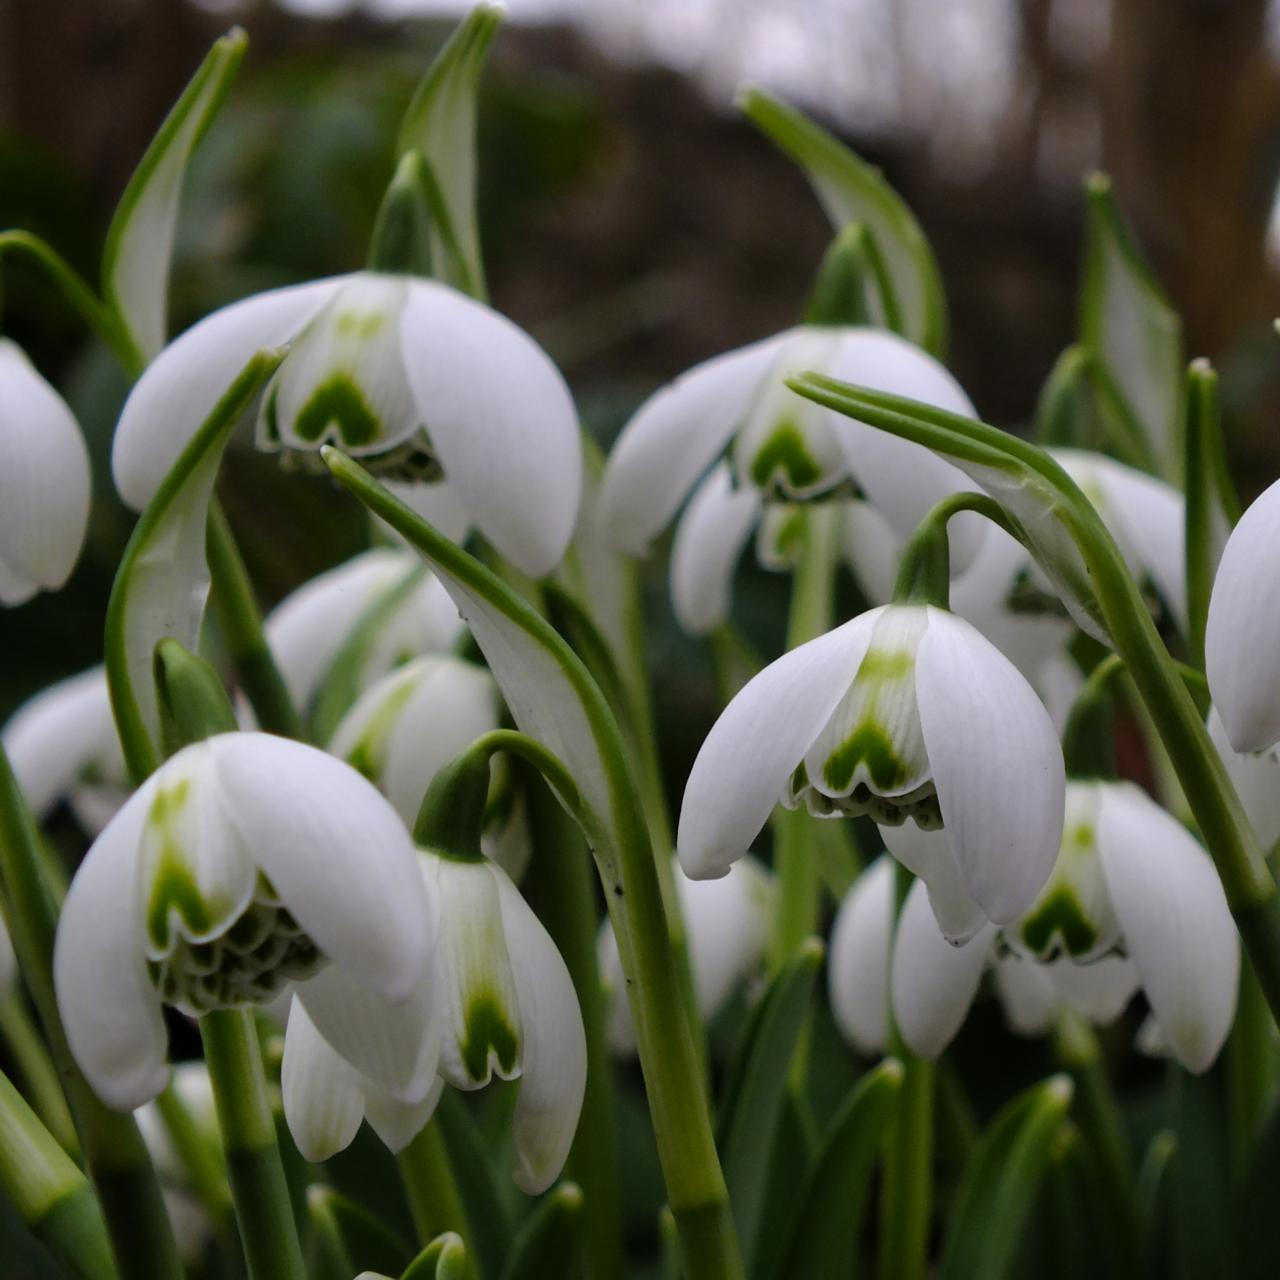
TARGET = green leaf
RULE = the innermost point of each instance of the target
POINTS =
(445, 1258)
(351, 1237)
(549, 1244)
(474, 1174)
(162, 584)
(755, 1098)
(441, 124)
(822, 1235)
(1131, 332)
(139, 248)
(851, 190)
(999, 1188)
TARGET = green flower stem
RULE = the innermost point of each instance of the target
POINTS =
(924, 572)
(114, 1153)
(811, 614)
(202, 1162)
(268, 1230)
(435, 1203)
(1251, 1070)
(241, 623)
(49, 1193)
(34, 1067)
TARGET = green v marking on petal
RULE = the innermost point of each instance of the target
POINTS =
(173, 886)
(785, 450)
(1061, 913)
(338, 401)
(869, 745)
(488, 1031)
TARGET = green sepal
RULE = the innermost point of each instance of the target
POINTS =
(549, 1246)
(477, 1181)
(1133, 335)
(440, 123)
(445, 1258)
(756, 1090)
(999, 1187)
(350, 1237)
(139, 246)
(162, 582)
(850, 190)
(822, 1234)
(851, 282)
(193, 704)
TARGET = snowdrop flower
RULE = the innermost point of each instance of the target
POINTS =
(782, 446)
(310, 626)
(1241, 658)
(63, 746)
(409, 375)
(245, 862)
(905, 712)
(44, 482)
(727, 929)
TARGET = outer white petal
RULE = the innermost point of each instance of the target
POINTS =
(323, 1097)
(501, 420)
(675, 436)
(183, 383)
(555, 1047)
(398, 1123)
(1256, 777)
(858, 966)
(928, 855)
(1242, 659)
(709, 540)
(109, 1008)
(996, 762)
(932, 982)
(1176, 923)
(1027, 994)
(336, 852)
(903, 479)
(52, 738)
(438, 504)
(1099, 991)
(872, 550)
(744, 764)
(44, 480)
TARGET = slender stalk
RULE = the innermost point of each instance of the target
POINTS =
(36, 1070)
(427, 1177)
(201, 1160)
(1251, 1070)
(241, 623)
(268, 1230)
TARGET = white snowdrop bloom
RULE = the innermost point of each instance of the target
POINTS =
(409, 375)
(1241, 657)
(1256, 778)
(415, 720)
(44, 481)
(726, 930)
(243, 863)
(310, 626)
(905, 712)
(779, 444)
(63, 746)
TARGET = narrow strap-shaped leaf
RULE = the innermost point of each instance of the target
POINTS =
(1202, 1199)
(853, 191)
(1131, 331)
(549, 1244)
(163, 581)
(139, 248)
(1000, 1185)
(445, 1258)
(353, 1234)
(1155, 1198)
(822, 1237)
(474, 1174)
(441, 124)
(750, 1126)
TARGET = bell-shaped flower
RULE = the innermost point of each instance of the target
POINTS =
(780, 445)
(63, 747)
(904, 713)
(409, 375)
(726, 924)
(1241, 658)
(244, 863)
(44, 481)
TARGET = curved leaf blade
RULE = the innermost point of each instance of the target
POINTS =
(550, 1244)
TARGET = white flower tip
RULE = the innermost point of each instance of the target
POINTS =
(127, 1089)
(700, 863)
(892, 1070)
(1060, 1089)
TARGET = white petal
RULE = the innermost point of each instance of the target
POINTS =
(44, 478)
(110, 1010)
(927, 854)
(997, 765)
(438, 504)
(337, 853)
(1027, 994)
(1256, 778)
(858, 967)
(709, 540)
(501, 420)
(872, 549)
(902, 479)
(398, 1123)
(183, 383)
(751, 751)
(323, 1097)
(675, 436)
(1099, 991)
(1242, 659)
(555, 1047)
(932, 983)
(1176, 924)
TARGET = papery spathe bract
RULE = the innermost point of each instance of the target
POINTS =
(245, 862)
(44, 481)
(406, 373)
